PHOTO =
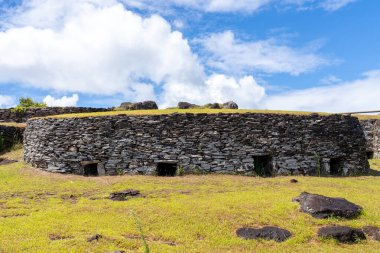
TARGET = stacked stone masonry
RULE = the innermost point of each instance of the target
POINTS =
(10, 136)
(371, 128)
(8, 115)
(213, 143)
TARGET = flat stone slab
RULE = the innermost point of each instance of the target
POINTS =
(267, 233)
(4, 161)
(342, 234)
(372, 232)
(124, 195)
(322, 207)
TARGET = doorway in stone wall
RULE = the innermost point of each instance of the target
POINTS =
(263, 165)
(336, 168)
(166, 169)
(370, 154)
(90, 170)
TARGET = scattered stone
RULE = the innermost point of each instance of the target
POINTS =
(118, 251)
(322, 207)
(293, 181)
(145, 105)
(4, 161)
(186, 105)
(372, 232)
(124, 195)
(96, 237)
(267, 233)
(342, 233)
(230, 105)
(214, 106)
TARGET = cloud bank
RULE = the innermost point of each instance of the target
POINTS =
(61, 102)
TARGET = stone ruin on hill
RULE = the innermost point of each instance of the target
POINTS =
(248, 144)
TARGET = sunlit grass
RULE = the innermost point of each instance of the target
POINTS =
(44, 212)
(13, 124)
(195, 111)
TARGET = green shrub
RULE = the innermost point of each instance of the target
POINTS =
(1, 142)
(26, 103)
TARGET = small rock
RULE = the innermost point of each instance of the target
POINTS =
(321, 207)
(95, 238)
(293, 181)
(230, 105)
(214, 106)
(186, 105)
(118, 251)
(123, 195)
(372, 232)
(342, 233)
(4, 161)
(267, 233)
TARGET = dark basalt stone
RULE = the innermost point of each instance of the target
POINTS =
(186, 105)
(342, 233)
(4, 161)
(372, 232)
(321, 207)
(293, 181)
(230, 105)
(145, 105)
(267, 233)
(124, 195)
(95, 237)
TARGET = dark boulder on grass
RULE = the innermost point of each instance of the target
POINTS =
(230, 105)
(372, 232)
(186, 105)
(342, 234)
(4, 161)
(322, 207)
(95, 237)
(145, 105)
(124, 195)
(267, 233)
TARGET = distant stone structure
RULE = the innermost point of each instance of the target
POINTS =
(371, 128)
(145, 105)
(8, 115)
(9, 136)
(249, 144)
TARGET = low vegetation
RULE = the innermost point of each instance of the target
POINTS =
(25, 103)
(194, 111)
(45, 212)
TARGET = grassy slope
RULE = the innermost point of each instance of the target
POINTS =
(182, 214)
(14, 124)
(195, 111)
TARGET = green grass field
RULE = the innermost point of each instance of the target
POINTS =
(194, 111)
(45, 212)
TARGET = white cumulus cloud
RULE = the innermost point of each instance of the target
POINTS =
(358, 95)
(229, 54)
(61, 102)
(6, 101)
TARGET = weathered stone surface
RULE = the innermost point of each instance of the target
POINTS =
(206, 143)
(214, 106)
(145, 105)
(371, 128)
(6, 161)
(372, 232)
(95, 237)
(323, 207)
(124, 195)
(293, 181)
(186, 105)
(266, 233)
(230, 105)
(6, 115)
(342, 234)
(9, 136)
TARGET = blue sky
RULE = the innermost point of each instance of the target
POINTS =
(291, 54)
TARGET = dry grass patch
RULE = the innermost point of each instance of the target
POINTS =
(180, 214)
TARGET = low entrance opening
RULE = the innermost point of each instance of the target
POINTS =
(166, 169)
(370, 154)
(263, 165)
(336, 167)
(90, 170)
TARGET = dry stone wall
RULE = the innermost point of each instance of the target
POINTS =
(371, 128)
(264, 144)
(7, 115)
(9, 136)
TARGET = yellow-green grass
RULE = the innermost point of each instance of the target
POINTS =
(194, 111)
(13, 124)
(45, 212)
